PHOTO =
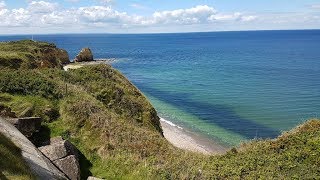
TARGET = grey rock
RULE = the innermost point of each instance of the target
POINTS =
(28, 125)
(52, 141)
(54, 152)
(56, 139)
(58, 149)
(38, 163)
(84, 55)
(70, 166)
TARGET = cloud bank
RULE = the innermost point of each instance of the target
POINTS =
(45, 15)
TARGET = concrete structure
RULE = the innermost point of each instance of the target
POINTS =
(38, 163)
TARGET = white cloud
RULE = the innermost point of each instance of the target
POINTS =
(28, 16)
(42, 7)
(2, 4)
(3, 12)
(315, 6)
(101, 14)
(232, 17)
(73, 1)
(53, 18)
(248, 18)
(47, 15)
(198, 14)
(138, 6)
(105, 2)
(17, 17)
(224, 17)
(3, 9)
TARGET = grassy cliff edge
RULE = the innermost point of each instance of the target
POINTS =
(119, 135)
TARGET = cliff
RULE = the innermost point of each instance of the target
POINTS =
(28, 54)
(119, 136)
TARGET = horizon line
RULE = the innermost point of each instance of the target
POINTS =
(138, 33)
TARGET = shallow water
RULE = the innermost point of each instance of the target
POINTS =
(229, 86)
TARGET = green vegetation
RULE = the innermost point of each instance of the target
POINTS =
(12, 165)
(118, 132)
(29, 54)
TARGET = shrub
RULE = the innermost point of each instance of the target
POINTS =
(28, 83)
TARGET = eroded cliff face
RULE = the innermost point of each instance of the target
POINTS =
(51, 57)
(28, 54)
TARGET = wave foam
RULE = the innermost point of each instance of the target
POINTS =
(170, 123)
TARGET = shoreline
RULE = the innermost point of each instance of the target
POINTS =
(76, 65)
(187, 140)
(174, 134)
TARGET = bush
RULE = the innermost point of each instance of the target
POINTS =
(28, 83)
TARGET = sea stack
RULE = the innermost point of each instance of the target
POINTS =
(84, 55)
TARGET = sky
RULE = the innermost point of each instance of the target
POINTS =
(155, 16)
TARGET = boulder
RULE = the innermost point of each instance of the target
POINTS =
(84, 55)
(54, 152)
(64, 155)
(28, 125)
(58, 149)
(56, 140)
(70, 166)
(39, 165)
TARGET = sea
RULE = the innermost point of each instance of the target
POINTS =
(229, 87)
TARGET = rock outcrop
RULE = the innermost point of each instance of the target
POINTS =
(64, 155)
(58, 148)
(70, 166)
(51, 57)
(84, 55)
(40, 166)
(27, 126)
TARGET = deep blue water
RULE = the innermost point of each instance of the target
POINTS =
(229, 86)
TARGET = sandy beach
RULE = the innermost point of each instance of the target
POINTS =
(187, 140)
(176, 135)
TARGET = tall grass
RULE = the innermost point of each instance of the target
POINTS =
(12, 164)
(117, 131)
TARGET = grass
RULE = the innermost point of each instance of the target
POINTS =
(12, 165)
(27, 106)
(28, 54)
(119, 142)
(118, 132)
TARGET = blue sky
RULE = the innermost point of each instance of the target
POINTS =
(154, 16)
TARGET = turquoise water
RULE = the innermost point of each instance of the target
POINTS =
(228, 86)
